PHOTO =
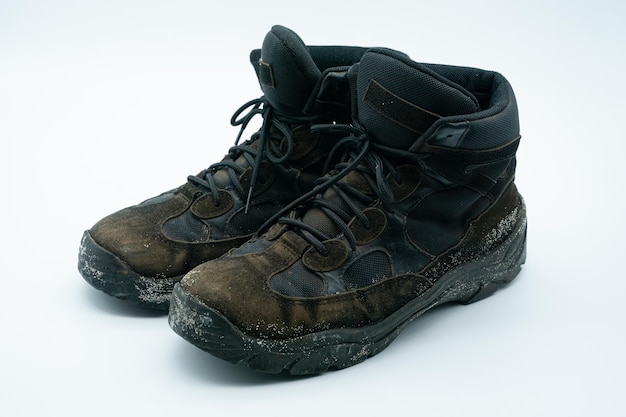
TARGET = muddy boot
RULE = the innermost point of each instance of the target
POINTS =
(139, 253)
(422, 211)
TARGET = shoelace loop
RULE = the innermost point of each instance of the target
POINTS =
(275, 133)
(362, 155)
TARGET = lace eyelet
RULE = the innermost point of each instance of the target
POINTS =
(377, 222)
(205, 207)
(336, 254)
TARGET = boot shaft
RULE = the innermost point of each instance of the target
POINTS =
(301, 81)
(450, 135)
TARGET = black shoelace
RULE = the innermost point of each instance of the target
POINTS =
(275, 143)
(371, 161)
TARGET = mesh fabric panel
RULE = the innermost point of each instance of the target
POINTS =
(367, 269)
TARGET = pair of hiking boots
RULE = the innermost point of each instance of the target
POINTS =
(375, 189)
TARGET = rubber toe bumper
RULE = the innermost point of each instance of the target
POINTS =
(107, 273)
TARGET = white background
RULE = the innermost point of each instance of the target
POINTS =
(104, 104)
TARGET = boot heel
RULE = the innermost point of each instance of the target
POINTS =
(495, 270)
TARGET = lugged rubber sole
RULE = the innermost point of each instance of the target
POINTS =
(107, 273)
(317, 352)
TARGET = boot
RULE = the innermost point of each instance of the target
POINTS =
(139, 253)
(422, 211)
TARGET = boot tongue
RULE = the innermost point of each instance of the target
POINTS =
(286, 71)
(398, 99)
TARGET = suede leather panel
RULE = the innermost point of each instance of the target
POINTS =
(239, 287)
(205, 207)
(378, 223)
(134, 235)
(336, 256)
